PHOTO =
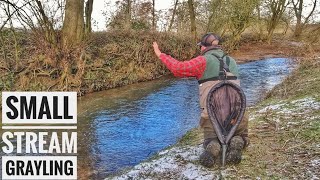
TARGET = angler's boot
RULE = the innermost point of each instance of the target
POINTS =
(235, 150)
(214, 148)
(211, 153)
(206, 159)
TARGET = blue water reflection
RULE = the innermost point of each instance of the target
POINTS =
(122, 127)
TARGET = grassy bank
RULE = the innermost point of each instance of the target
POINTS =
(106, 60)
(284, 131)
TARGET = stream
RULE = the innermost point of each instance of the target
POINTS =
(121, 127)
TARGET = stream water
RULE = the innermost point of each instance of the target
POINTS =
(121, 127)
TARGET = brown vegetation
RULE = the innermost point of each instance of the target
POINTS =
(56, 50)
(109, 60)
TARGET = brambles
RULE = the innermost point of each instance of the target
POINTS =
(111, 59)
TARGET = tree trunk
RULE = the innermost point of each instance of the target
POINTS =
(277, 8)
(127, 25)
(73, 25)
(260, 22)
(153, 15)
(173, 14)
(88, 13)
(298, 13)
(214, 5)
(298, 29)
(301, 22)
(193, 20)
(271, 27)
(49, 30)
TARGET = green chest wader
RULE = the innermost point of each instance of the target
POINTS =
(226, 104)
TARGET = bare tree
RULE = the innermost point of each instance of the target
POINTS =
(47, 24)
(17, 11)
(301, 22)
(214, 7)
(173, 14)
(73, 25)
(128, 15)
(276, 8)
(153, 15)
(260, 22)
(35, 16)
(241, 12)
(192, 19)
(88, 13)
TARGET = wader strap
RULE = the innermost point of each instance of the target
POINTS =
(224, 67)
(228, 61)
(217, 79)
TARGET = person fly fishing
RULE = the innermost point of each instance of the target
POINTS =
(212, 68)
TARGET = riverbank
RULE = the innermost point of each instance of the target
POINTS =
(284, 130)
(109, 60)
(252, 50)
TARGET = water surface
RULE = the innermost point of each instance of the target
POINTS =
(122, 127)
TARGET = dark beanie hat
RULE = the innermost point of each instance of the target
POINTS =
(207, 39)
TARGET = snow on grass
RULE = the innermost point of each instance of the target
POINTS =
(182, 162)
(174, 163)
(271, 107)
(315, 163)
(300, 106)
(289, 110)
(314, 169)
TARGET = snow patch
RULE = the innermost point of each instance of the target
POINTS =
(175, 163)
(196, 172)
(271, 107)
(315, 163)
(182, 162)
(296, 107)
(313, 169)
(307, 103)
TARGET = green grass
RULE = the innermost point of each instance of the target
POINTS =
(192, 137)
(312, 131)
(304, 81)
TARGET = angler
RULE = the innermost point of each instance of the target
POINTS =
(222, 101)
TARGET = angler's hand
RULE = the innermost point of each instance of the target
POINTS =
(156, 49)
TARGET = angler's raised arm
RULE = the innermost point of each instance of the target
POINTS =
(192, 68)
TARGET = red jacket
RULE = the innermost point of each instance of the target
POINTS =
(192, 68)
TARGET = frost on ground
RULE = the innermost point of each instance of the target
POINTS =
(294, 107)
(314, 169)
(182, 162)
(174, 163)
(285, 110)
(295, 125)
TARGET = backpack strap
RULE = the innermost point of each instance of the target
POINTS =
(217, 79)
(228, 60)
(224, 68)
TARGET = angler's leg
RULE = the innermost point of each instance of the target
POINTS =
(238, 142)
(243, 130)
(235, 150)
(212, 147)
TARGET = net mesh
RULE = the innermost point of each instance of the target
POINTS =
(225, 104)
